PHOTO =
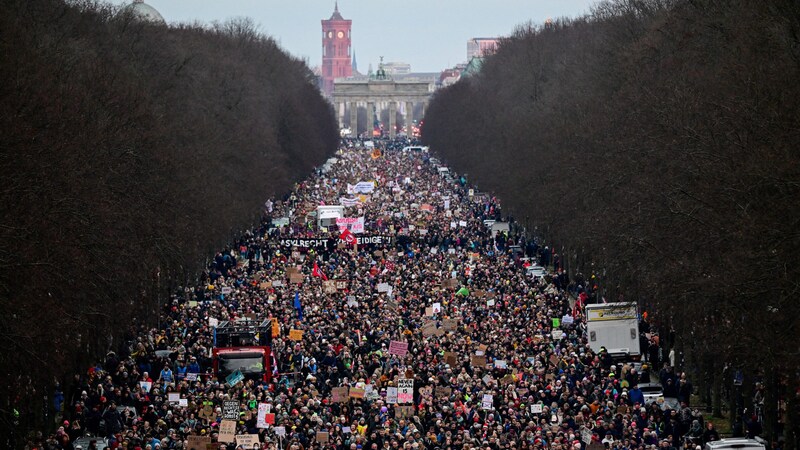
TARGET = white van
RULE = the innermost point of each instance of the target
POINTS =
(736, 443)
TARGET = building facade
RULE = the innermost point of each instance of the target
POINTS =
(480, 47)
(336, 50)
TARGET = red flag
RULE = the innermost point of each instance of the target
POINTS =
(347, 236)
(318, 273)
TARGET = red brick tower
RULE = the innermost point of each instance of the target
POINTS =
(336, 51)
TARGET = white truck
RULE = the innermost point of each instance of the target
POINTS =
(614, 326)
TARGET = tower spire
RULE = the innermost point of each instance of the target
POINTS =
(336, 6)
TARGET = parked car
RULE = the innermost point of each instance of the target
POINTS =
(651, 391)
(535, 271)
(736, 443)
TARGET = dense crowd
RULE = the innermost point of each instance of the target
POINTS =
(488, 370)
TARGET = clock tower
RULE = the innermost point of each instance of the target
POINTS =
(336, 51)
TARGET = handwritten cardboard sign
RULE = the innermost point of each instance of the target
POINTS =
(296, 335)
(247, 440)
(227, 431)
(402, 412)
(357, 392)
(443, 391)
(340, 394)
(477, 361)
(198, 442)
(450, 324)
(398, 348)
(450, 358)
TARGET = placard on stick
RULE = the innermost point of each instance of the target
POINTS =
(296, 335)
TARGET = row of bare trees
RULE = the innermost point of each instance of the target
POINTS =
(129, 151)
(655, 143)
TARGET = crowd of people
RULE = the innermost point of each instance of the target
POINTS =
(442, 310)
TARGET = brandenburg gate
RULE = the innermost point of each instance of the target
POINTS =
(377, 94)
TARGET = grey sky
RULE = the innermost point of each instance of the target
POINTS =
(428, 34)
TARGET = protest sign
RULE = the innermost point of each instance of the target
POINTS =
(296, 335)
(322, 437)
(383, 287)
(405, 390)
(280, 431)
(402, 412)
(227, 431)
(226, 290)
(487, 402)
(478, 361)
(263, 410)
(329, 287)
(173, 397)
(450, 358)
(500, 364)
(340, 394)
(450, 324)
(508, 379)
(191, 376)
(146, 385)
(198, 442)
(536, 408)
(247, 440)
(586, 435)
(391, 395)
(354, 224)
(341, 285)
(429, 328)
(556, 322)
(234, 378)
(398, 348)
(230, 409)
(357, 392)
(443, 391)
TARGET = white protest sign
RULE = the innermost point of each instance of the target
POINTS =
(405, 390)
(263, 410)
(487, 402)
(391, 395)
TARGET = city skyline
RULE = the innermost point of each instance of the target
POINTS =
(441, 28)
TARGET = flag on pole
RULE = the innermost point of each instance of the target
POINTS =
(298, 306)
(317, 272)
(348, 236)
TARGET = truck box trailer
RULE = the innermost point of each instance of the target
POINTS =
(614, 326)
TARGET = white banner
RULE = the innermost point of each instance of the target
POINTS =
(349, 201)
(362, 187)
(354, 224)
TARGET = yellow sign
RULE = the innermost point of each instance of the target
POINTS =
(296, 335)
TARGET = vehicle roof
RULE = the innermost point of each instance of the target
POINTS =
(735, 443)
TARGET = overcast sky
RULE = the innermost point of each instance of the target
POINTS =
(428, 34)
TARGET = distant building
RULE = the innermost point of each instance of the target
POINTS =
(336, 50)
(145, 12)
(397, 68)
(480, 47)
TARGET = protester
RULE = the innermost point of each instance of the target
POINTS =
(431, 296)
